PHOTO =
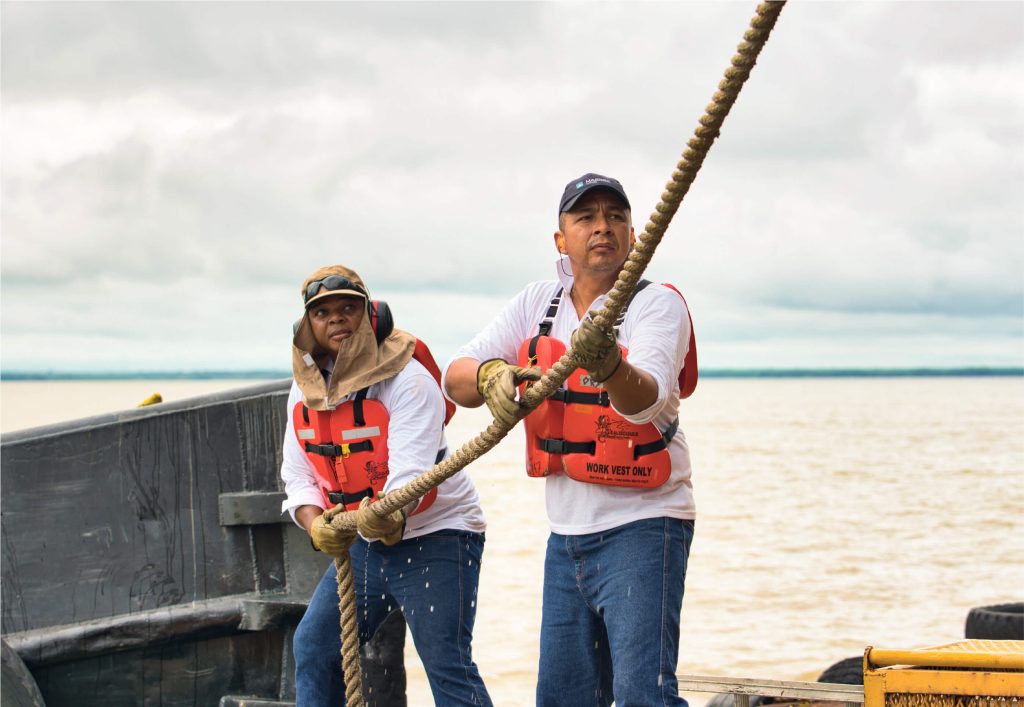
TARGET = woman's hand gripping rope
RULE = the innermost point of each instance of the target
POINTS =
(389, 528)
(496, 381)
(328, 539)
(335, 538)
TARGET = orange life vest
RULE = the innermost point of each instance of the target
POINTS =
(348, 446)
(577, 432)
(687, 376)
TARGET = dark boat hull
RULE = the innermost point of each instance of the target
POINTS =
(146, 561)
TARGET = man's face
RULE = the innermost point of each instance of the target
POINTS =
(335, 319)
(597, 234)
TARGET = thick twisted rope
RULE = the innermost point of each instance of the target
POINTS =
(349, 627)
(707, 131)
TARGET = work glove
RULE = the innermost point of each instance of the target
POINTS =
(596, 350)
(371, 525)
(328, 540)
(496, 380)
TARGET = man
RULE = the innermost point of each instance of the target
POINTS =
(365, 417)
(617, 469)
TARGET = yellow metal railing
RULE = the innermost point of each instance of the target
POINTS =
(971, 673)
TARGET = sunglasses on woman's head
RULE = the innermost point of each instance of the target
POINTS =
(331, 282)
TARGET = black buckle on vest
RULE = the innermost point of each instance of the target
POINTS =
(656, 446)
(575, 396)
(348, 498)
(339, 450)
(560, 446)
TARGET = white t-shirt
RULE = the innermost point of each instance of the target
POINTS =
(415, 434)
(656, 331)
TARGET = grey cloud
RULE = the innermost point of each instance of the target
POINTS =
(104, 48)
(871, 166)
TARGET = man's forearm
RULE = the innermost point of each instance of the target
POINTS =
(460, 382)
(630, 389)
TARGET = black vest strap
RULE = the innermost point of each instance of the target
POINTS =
(574, 396)
(347, 498)
(544, 327)
(656, 446)
(357, 408)
(532, 349)
(339, 450)
(560, 446)
(636, 290)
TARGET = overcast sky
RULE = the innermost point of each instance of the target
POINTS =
(172, 171)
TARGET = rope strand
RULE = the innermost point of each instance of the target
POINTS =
(693, 156)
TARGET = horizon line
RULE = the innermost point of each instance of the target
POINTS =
(789, 372)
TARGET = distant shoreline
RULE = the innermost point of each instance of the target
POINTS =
(964, 372)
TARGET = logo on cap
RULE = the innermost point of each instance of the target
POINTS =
(580, 186)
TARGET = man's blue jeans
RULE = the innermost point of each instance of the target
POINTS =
(610, 618)
(433, 579)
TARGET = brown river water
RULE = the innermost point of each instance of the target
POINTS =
(833, 514)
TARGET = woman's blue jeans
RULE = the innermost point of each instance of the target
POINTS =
(610, 618)
(433, 579)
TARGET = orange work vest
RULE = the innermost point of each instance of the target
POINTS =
(576, 431)
(348, 448)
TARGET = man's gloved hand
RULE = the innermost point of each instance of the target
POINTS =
(328, 540)
(496, 380)
(371, 525)
(596, 351)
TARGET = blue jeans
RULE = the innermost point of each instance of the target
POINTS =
(610, 618)
(433, 579)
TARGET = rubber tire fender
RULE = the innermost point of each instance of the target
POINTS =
(999, 622)
(848, 671)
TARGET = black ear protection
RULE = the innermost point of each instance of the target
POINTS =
(380, 317)
(381, 320)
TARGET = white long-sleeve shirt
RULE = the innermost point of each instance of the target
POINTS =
(415, 435)
(656, 332)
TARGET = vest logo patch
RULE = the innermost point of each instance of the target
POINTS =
(607, 428)
(307, 434)
(376, 472)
